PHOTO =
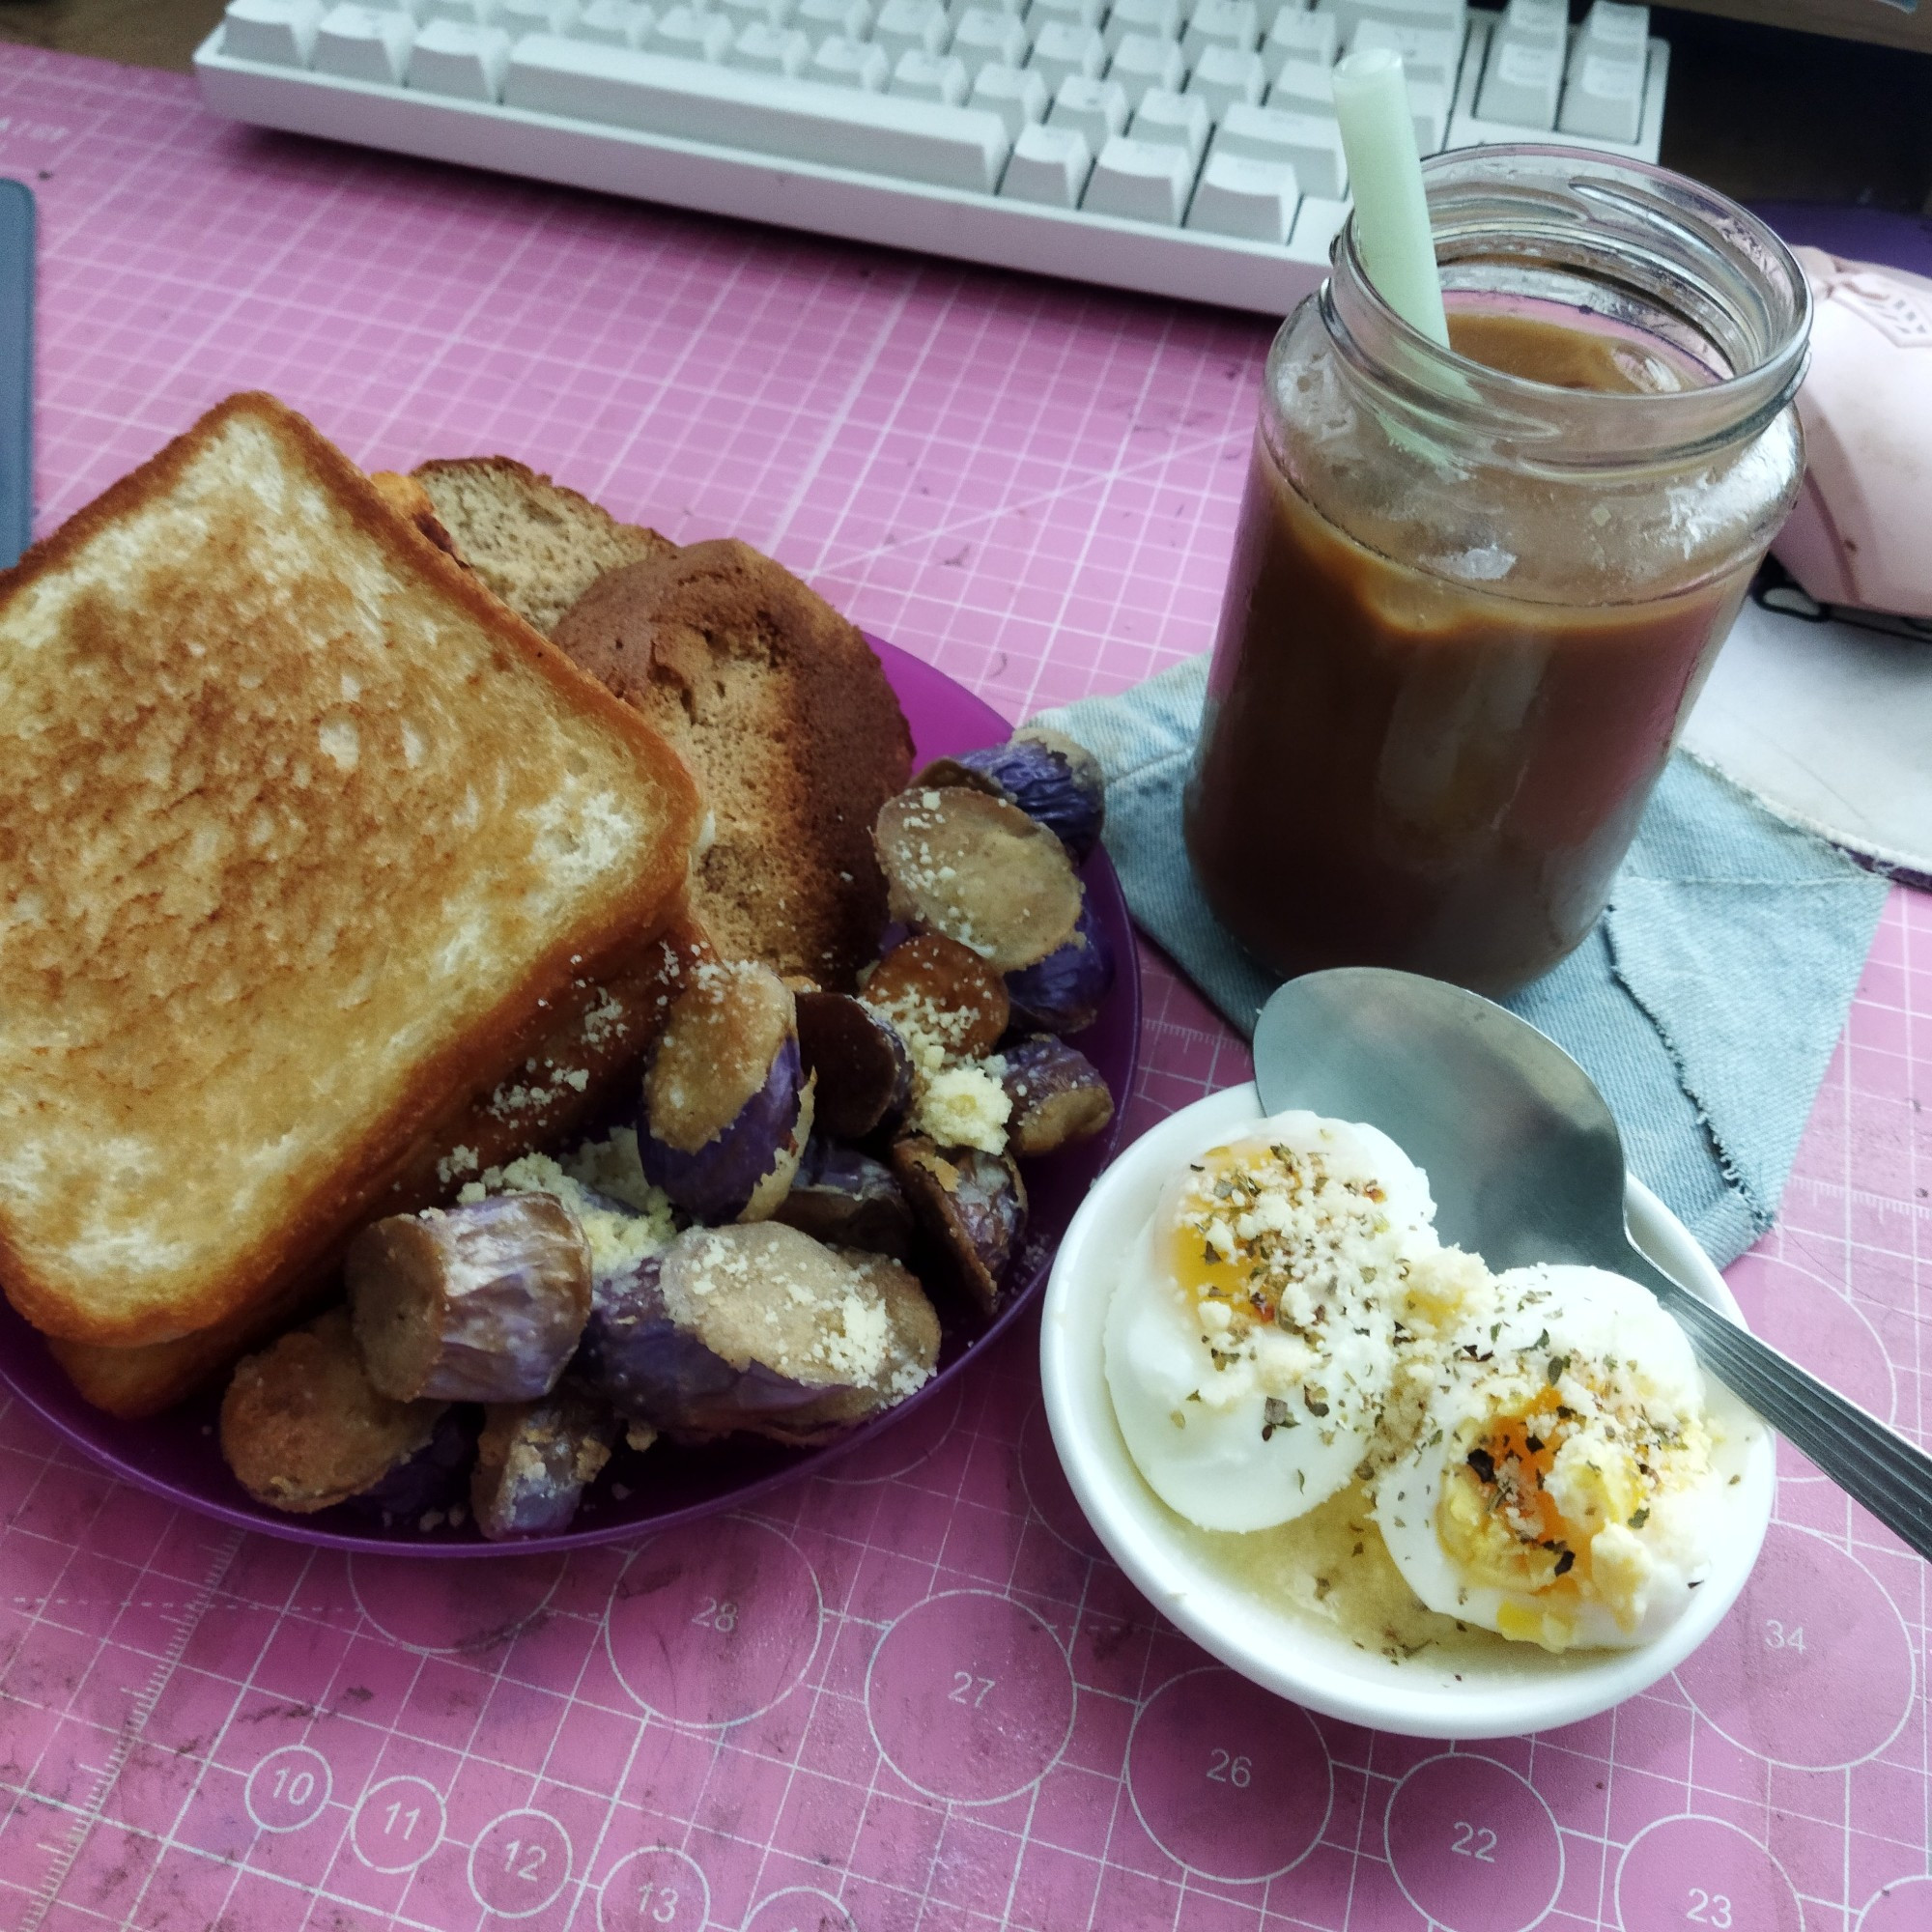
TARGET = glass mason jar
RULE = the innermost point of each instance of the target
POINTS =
(1473, 594)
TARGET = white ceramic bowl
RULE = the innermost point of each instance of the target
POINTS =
(1514, 1689)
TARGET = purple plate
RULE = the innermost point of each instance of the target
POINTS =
(176, 1455)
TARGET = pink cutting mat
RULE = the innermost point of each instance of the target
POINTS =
(913, 1695)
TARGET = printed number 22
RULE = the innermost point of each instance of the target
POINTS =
(1474, 1841)
(1708, 1908)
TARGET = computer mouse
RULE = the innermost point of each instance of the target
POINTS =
(1859, 533)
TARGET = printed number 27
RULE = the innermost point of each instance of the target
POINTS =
(968, 1689)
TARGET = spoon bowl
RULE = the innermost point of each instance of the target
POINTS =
(1526, 1165)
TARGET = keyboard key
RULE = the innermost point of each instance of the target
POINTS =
(851, 20)
(1140, 61)
(1016, 93)
(1255, 200)
(1159, 17)
(843, 63)
(1605, 95)
(466, 62)
(1428, 54)
(465, 13)
(1141, 180)
(1073, 13)
(984, 38)
(1310, 146)
(1429, 109)
(363, 44)
(1180, 120)
(612, 23)
(1437, 14)
(1063, 49)
(537, 16)
(1302, 87)
(689, 33)
(1097, 108)
(1221, 23)
(1300, 37)
(1541, 23)
(1269, 11)
(1520, 83)
(913, 26)
(763, 49)
(1610, 25)
(281, 32)
(1222, 77)
(1316, 223)
(691, 101)
(1050, 165)
(923, 76)
(742, 13)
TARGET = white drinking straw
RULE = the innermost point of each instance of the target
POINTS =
(1385, 179)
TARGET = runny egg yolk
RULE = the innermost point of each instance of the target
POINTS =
(1500, 1519)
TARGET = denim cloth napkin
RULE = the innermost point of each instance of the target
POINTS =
(1705, 1004)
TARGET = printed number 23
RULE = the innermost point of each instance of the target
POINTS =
(1474, 1841)
(1708, 1908)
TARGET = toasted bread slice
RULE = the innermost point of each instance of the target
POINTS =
(605, 1030)
(538, 545)
(785, 713)
(302, 833)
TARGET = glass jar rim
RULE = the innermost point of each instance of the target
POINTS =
(1740, 299)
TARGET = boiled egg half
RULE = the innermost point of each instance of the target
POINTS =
(1251, 1341)
(1562, 1488)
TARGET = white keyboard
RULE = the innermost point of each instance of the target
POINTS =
(1181, 147)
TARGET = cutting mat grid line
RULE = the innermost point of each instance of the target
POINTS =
(911, 1693)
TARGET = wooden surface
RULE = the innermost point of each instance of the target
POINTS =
(1759, 112)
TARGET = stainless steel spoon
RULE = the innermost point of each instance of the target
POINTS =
(1526, 1165)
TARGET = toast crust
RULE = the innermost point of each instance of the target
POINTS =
(604, 1031)
(148, 1003)
(785, 713)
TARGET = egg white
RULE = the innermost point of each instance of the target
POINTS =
(1195, 1427)
(1558, 1333)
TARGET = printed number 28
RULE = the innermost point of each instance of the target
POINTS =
(1708, 1908)
(1474, 1841)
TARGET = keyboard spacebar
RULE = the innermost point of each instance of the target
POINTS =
(732, 107)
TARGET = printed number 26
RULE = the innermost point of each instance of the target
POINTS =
(1227, 1769)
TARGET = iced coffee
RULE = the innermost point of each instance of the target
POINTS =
(1472, 596)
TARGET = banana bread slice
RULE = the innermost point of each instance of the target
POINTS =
(535, 544)
(784, 714)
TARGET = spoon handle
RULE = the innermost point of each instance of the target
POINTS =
(1873, 1464)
